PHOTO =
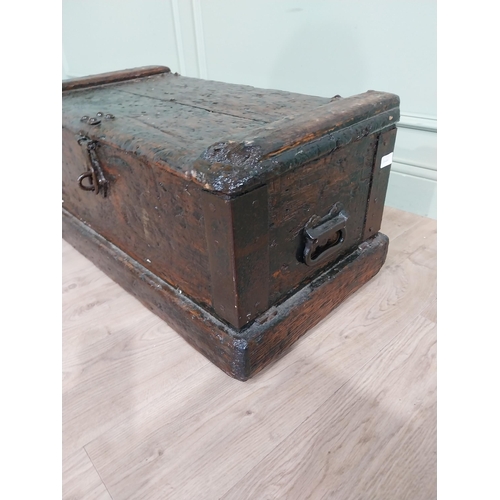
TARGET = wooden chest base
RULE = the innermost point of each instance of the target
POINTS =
(239, 353)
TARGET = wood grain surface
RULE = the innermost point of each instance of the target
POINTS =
(348, 413)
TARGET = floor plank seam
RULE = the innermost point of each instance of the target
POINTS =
(95, 468)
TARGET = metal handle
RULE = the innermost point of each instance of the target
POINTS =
(326, 239)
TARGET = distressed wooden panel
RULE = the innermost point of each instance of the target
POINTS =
(342, 176)
(154, 216)
(238, 244)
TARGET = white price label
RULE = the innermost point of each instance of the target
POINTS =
(386, 160)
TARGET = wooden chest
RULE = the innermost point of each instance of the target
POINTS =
(240, 216)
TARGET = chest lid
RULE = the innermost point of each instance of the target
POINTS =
(228, 138)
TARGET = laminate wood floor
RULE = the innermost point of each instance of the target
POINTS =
(348, 413)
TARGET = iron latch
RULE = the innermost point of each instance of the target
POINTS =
(96, 181)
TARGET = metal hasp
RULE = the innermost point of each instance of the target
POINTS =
(324, 237)
(97, 182)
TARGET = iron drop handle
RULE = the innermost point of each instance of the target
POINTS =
(325, 240)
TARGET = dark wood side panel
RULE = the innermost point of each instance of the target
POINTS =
(113, 77)
(379, 183)
(220, 243)
(312, 189)
(251, 236)
(238, 243)
(153, 215)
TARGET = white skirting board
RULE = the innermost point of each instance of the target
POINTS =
(411, 193)
(413, 180)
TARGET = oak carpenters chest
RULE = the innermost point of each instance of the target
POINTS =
(241, 216)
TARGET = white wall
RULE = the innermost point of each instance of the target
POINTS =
(317, 47)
